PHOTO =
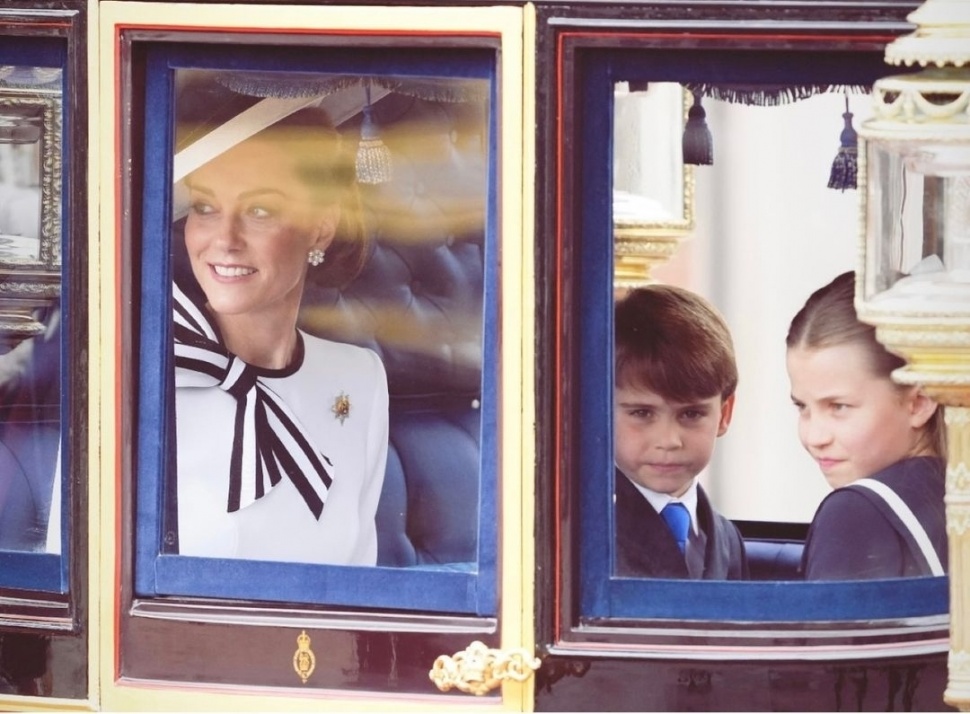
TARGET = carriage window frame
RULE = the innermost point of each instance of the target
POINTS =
(158, 575)
(49, 277)
(596, 611)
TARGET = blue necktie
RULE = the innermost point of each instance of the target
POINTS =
(678, 520)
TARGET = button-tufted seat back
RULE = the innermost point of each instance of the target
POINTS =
(418, 302)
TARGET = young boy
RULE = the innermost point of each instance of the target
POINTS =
(675, 377)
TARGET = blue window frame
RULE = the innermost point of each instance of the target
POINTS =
(35, 532)
(406, 577)
(602, 595)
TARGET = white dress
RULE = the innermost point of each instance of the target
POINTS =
(279, 526)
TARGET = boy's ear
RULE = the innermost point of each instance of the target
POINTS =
(727, 410)
(921, 408)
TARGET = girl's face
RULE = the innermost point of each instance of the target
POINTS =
(853, 422)
(250, 226)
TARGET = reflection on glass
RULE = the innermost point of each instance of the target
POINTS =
(652, 187)
(649, 178)
(921, 261)
(328, 236)
(30, 225)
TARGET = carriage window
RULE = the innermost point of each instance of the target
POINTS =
(327, 401)
(44, 350)
(732, 199)
(737, 225)
(32, 532)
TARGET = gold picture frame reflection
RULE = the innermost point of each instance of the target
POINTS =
(653, 189)
(30, 200)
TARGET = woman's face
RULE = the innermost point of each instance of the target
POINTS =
(250, 226)
(853, 422)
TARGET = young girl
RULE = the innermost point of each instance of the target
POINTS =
(880, 445)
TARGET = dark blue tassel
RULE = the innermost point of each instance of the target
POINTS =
(698, 144)
(845, 167)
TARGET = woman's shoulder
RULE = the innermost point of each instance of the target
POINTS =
(339, 352)
(332, 358)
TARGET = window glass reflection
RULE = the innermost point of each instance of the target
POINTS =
(30, 314)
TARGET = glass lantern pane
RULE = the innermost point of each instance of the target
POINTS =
(918, 225)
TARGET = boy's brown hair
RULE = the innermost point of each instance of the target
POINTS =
(673, 342)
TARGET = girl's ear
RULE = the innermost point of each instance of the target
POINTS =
(327, 227)
(921, 408)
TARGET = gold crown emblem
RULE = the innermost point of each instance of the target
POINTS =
(304, 661)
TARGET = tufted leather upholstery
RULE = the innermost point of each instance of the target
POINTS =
(418, 302)
(770, 559)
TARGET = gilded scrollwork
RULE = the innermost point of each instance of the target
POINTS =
(480, 669)
(958, 686)
(47, 290)
(923, 100)
(30, 233)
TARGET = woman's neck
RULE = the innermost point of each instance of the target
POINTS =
(258, 341)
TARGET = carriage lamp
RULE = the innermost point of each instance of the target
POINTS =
(914, 284)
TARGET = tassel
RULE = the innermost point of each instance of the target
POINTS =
(373, 157)
(846, 163)
(698, 144)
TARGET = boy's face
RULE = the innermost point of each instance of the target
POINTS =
(663, 445)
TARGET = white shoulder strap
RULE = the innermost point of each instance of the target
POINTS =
(908, 518)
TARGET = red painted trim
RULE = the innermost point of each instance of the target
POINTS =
(119, 250)
(558, 280)
(767, 35)
(41, 25)
(306, 31)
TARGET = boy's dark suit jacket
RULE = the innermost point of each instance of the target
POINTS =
(645, 547)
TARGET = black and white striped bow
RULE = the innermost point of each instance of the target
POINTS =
(268, 440)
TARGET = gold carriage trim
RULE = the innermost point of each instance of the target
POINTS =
(480, 669)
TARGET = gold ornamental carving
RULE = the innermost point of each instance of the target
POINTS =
(480, 669)
(304, 661)
(957, 471)
(636, 254)
(958, 687)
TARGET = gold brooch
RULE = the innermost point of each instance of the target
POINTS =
(341, 407)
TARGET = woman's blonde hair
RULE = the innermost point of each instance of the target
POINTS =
(829, 318)
(327, 167)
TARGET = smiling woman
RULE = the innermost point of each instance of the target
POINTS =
(281, 436)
